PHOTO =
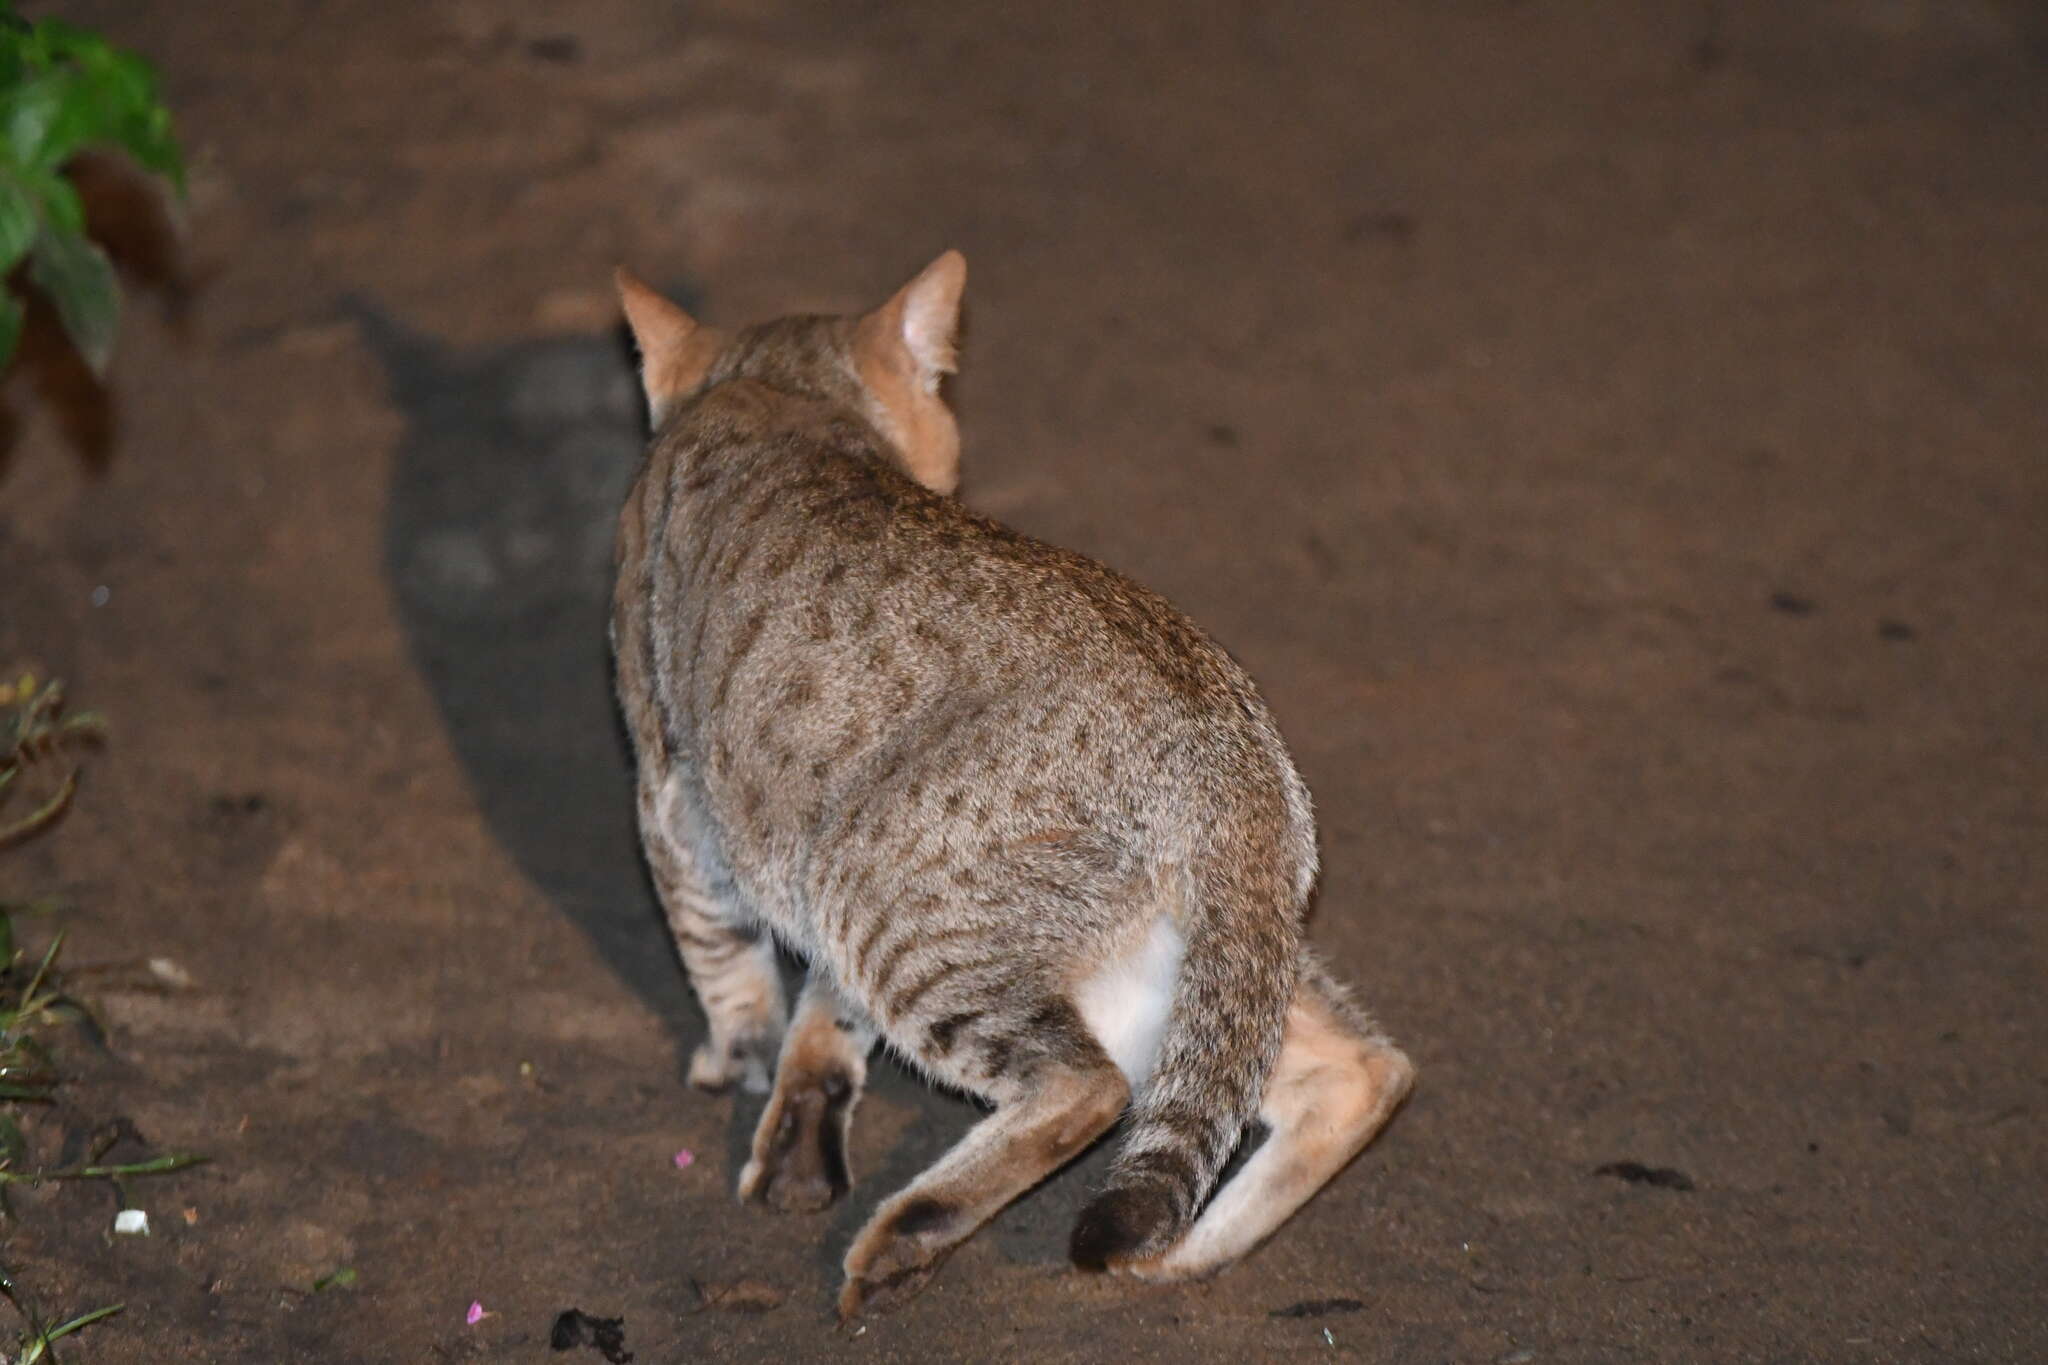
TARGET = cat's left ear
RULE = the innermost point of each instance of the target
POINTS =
(675, 352)
(903, 349)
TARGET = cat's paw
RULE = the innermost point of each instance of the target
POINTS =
(885, 1294)
(1157, 1270)
(798, 1163)
(897, 1252)
(720, 1064)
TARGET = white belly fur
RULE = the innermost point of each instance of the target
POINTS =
(1125, 1004)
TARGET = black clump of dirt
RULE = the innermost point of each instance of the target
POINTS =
(1792, 604)
(1636, 1173)
(1317, 1308)
(574, 1327)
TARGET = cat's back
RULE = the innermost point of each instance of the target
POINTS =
(787, 526)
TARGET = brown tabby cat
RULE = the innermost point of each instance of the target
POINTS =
(1021, 818)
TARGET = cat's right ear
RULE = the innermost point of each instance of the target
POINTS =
(903, 349)
(675, 352)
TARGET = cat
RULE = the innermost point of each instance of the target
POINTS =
(1020, 818)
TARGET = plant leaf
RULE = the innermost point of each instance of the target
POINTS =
(67, 88)
(79, 280)
(123, 90)
(31, 110)
(62, 209)
(17, 221)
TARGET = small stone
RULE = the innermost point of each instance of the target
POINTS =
(131, 1223)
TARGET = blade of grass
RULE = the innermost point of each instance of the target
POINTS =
(33, 1350)
(85, 1320)
(43, 814)
(175, 1161)
(42, 971)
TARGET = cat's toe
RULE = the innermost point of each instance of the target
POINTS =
(806, 1194)
(897, 1252)
(718, 1065)
(790, 1190)
(710, 1069)
(884, 1294)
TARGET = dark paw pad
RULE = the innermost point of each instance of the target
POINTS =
(922, 1215)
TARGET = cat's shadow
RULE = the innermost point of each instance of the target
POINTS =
(498, 548)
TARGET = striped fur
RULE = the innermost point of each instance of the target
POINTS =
(1021, 819)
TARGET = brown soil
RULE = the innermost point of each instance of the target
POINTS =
(1613, 434)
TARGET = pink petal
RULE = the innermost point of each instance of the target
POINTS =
(476, 1312)
(684, 1158)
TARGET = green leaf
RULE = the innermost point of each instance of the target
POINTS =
(147, 137)
(31, 110)
(17, 221)
(79, 280)
(64, 89)
(344, 1278)
(62, 208)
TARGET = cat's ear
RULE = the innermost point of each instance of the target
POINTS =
(919, 322)
(674, 351)
(902, 350)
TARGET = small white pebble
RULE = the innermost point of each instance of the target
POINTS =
(163, 969)
(100, 595)
(131, 1223)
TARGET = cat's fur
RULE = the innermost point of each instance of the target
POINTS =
(1020, 817)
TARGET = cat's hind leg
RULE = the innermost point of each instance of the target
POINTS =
(730, 960)
(1042, 1121)
(1337, 1082)
(798, 1163)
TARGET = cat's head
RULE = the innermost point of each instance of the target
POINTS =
(887, 364)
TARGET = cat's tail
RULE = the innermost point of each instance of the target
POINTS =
(1223, 1033)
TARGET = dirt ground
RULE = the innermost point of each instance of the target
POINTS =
(1614, 435)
